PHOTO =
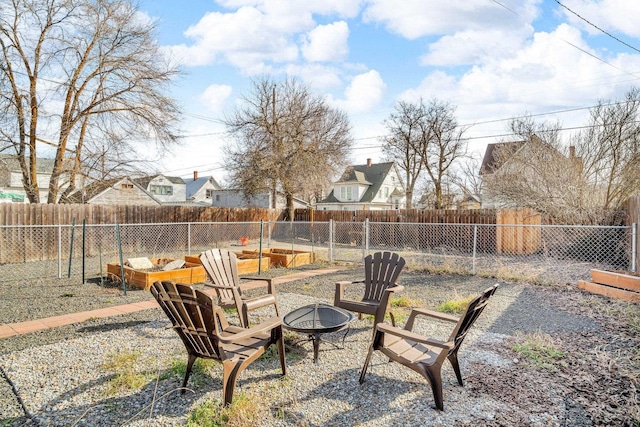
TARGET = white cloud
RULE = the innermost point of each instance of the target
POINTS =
(548, 74)
(327, 43)
(610, 15)
(472, 47)
(215, 96)
(246, 38)
(365, 92)
(318, 76)
(418, 18)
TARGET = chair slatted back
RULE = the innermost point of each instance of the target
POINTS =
(222, 268)
(468, 318)
(382, 270)
(195, 317)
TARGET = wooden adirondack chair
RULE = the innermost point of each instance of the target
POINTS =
(222, 269)
(382, 270)
(205, 332)
(426, 355)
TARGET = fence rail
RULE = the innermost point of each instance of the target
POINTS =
(543, 253)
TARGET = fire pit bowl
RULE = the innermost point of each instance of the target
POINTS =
(317, 319)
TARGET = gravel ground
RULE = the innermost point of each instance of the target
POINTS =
(62, 377)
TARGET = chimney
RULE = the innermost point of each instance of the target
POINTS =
(368, 163)
(195, 175)
(572, 152)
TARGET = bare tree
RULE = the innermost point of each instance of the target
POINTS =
(538, 172)
(609, 148)
(445, 147)
(71, 65)
(467, 176)
(406, 142)
(287, 139)
(586, 182)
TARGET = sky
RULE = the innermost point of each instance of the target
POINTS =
(493, 60)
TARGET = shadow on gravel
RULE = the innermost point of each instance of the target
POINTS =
(529, 312)
(111, 326)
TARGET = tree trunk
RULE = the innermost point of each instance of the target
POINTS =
(290, 209)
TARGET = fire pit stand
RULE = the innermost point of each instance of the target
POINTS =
(317, 319)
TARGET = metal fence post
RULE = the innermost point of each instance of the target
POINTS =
(331, 240)
(475, 242)
(365, 238)
(188, 238)
(59, 252)
(269, 234)
(634, 246)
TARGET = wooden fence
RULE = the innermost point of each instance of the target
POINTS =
(53, 214)
(434, 216)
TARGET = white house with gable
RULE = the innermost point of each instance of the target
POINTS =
(372, 186)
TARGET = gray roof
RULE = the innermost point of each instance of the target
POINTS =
(87, 193)
(42, 165)
(193, 185)
(145, 180)
(372, 175)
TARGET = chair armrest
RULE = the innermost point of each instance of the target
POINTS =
(403, 333)
(429, 313)
(339, 295)
(265, 326)
(270, 288)
(385, 299)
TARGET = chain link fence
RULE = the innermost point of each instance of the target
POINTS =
(547, 254)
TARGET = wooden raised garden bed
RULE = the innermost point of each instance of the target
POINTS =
(247, 263)
(613, 284)
(285, 257)
(189, 274)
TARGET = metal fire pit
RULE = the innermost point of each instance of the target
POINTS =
(317, 319)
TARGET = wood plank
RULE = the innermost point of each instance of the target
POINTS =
(616, 279)
(608, 291)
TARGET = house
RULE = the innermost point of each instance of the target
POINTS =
(167, 189)
(532, 167)
(11, 188)
(117, 191)
(366, 187)
(234, 198)
(200, 190)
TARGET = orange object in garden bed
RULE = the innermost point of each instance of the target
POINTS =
(622, 285)
(285, 257)
(189, 274)
(247, 263)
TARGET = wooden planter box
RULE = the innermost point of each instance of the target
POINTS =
(613, 284)
(191, 273)
(247, 263)
(285, 257)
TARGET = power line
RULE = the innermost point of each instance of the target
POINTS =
(598, 28)
(567, 42)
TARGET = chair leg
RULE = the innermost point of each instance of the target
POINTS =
(231, 370)
(283, 360)
(366, 364)
(453, 358)
(190, 363)
(435, 379)
(244, 317)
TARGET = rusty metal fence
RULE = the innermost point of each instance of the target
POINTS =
(549, 254)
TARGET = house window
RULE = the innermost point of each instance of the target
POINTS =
(386, 191)
(127, 186)
(163, 190)
(349, 194)
(209, 194)
(217, 197)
